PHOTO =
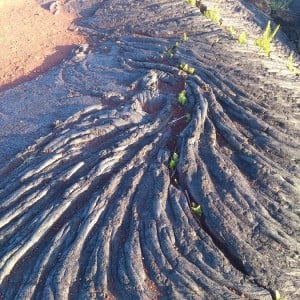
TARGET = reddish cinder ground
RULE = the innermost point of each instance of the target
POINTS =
(32, 40)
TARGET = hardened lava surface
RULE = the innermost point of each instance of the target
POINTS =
(93, 210)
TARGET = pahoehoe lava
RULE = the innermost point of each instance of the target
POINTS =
(93, 210)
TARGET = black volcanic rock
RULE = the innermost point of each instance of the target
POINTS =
(93, 210)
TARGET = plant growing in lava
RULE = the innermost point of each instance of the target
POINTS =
(242, 39)
(182, 98)
(185, 38)
(171, 50)
(197, 209)
(191, 2)
(174, 161)
(290, 64)
(231, 30)
(214, 15)
(265, 41)
(188, 117)
(187, 69)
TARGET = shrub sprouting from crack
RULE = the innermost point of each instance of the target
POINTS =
(265, 42)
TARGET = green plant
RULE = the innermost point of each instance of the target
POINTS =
(185, 37)
(171, 50)
(231, 30)
(188, 117)
(174, 161)
(182, 98)
(242, 39)
(214, 15)
(280, 4)
(187, 69)
(277, 295)
(290, 64)
(265, 41)
(197, 209)
(191, 2)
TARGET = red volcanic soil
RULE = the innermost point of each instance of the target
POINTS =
(32, 39)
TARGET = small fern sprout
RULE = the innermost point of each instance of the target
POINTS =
(214, 15)
(182, 98)
(242, 39)
(231, 30)
(265, 41)
(191, 2)
(187, 69)
(185, 38)
(290, 63)
(174, 161)
(197, 209)
(188, 117)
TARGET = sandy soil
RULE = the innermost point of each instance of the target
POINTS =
(32, 39)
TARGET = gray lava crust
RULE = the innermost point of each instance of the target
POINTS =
(92, 208)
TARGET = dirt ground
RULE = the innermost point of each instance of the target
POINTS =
(33, 39)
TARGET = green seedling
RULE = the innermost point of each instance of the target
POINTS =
(185, 38)
(170, 52)
(191, 70)
(290, 63)
(191, 2)
(187, 69)
(231, 30)
(277, 295)
(182, 98)
(184, 67)
(174, 161)
(214, 15)
(265, 41)
(242, 39)
(197, 209)
(188, 117)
